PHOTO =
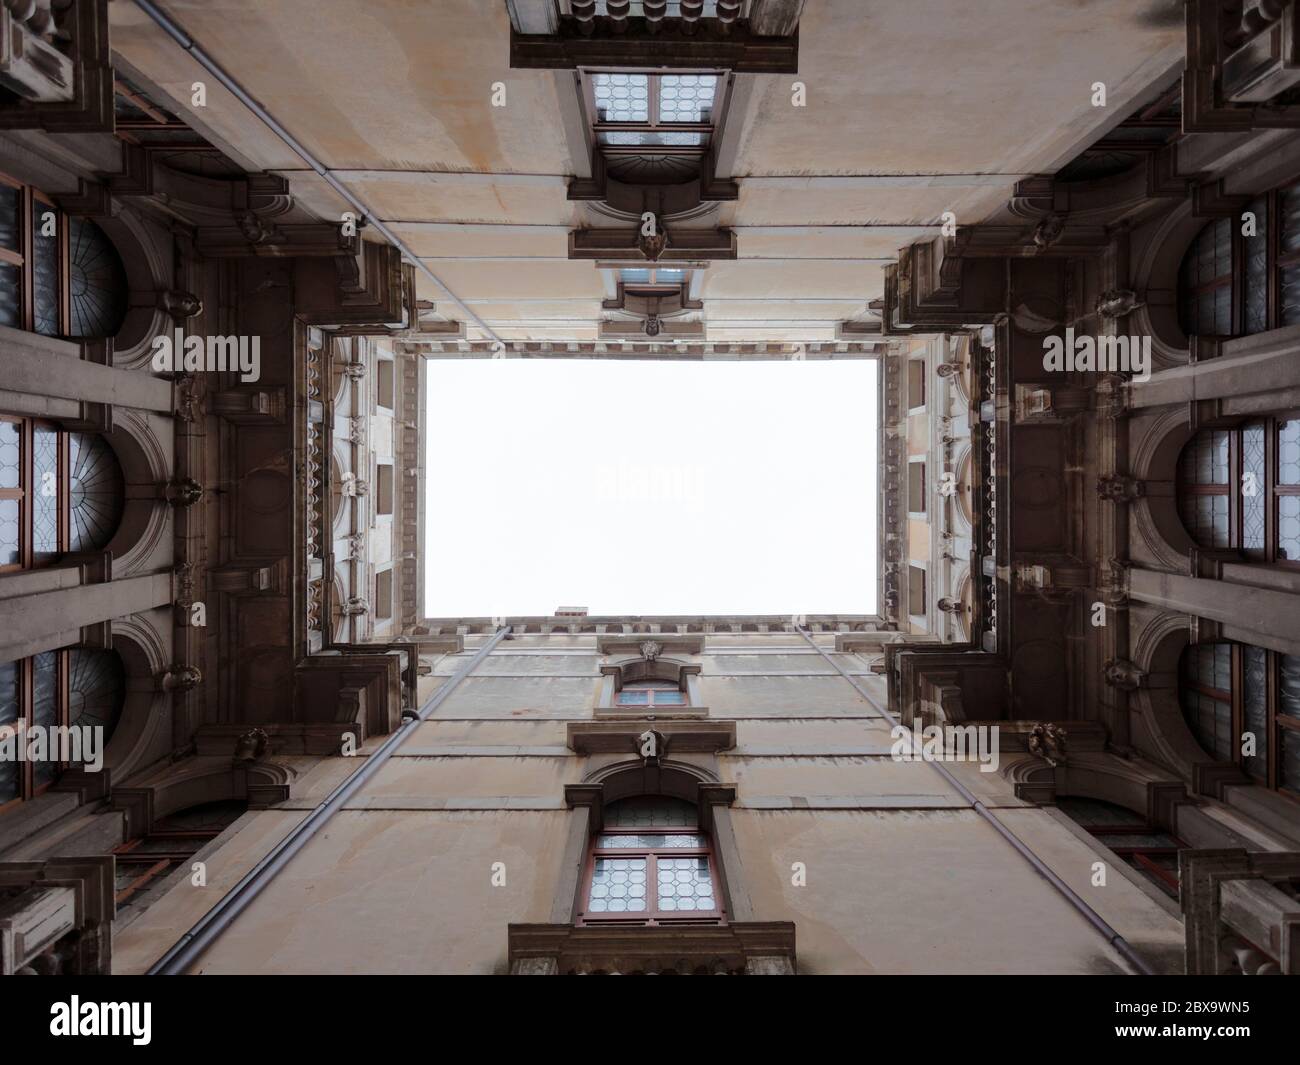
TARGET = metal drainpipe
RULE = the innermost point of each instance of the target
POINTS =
(176, 33)
(1095, 919)
(190, 947)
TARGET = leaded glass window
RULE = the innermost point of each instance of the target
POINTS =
(1242, 704)
(1235, 282)
(97, 286)
(59, 276)
(653, 126)
(651, 865)
(59, 492)
(1239, 489)
(77, 686)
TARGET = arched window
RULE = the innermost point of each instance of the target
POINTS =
(1148, 848)
(650, 864)
(1243, 705)
(1240, 488)
(73, 689)
(651, 693)
(59, 492)
(97, 287)
(1237, 278)
(59, 275)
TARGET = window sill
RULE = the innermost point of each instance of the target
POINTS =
(750, 947)
(650, 713)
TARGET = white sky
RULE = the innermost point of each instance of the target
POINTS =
(650, 487)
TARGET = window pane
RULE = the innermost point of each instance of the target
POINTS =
(1288, 527)
(686, 97)
(95, 492)
(633, 698)
(621, 97)
(1252, 506)
(1289, 693)
(1206, 518)
(1256, 249)
(651, 842)
(45, 491)
(10, 204)
(652, 138)
(11, 295)
(96, 282)
(10, 454)
(649, 811)
(96, 688)
(1256, 709)
(45, 270)
(45, 707)
(685, 884)
(618, 886)
(1288, 452)
(1290, 219)
(9, 780)
(673, 698)
(1288, 763)
(1205, 458)
(635, 276)
(9, 552)
(670, 276)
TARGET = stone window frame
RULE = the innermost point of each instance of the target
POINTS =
(660, 657)
(741, 945)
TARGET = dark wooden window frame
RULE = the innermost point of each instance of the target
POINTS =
(29, 201)
(710, 129)
(27, 787)
(1236, 276)
(1236, 699)
(1272, 489)
(653, 917)
(27, 489)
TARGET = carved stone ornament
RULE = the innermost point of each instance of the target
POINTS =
(1124, 675)
(355, 370)
(1049, 231)
(653, 245)
(1047, 741)
(1117, 303)
(651, 650)
(251, 746)
(179, 304)
(653, 325)
(354, 606)
(1117, 488)
(183, 493)
(180, 678)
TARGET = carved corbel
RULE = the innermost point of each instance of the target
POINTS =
(182, 493)
(1119, 488)
(180, 678)
(1047, 741)
(1124, 675)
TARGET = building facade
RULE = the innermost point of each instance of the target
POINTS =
(228, 251)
